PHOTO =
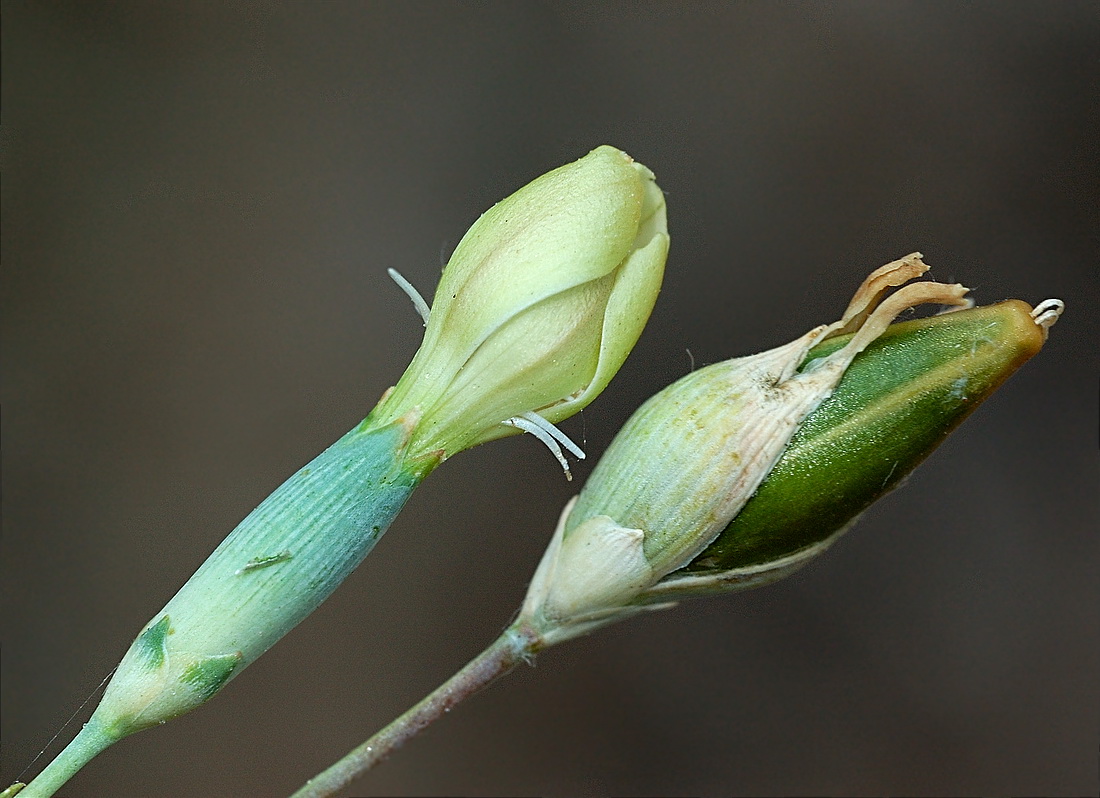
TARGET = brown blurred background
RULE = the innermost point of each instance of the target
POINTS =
(199, 205)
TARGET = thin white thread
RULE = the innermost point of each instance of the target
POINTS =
(66, 723)
(417, 300)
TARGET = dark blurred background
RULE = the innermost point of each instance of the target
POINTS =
(199, 205)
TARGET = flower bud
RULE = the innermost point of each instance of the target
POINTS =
(742, 471)
(537, 309)
(539, 305)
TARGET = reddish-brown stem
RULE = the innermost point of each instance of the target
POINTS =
(517, 644)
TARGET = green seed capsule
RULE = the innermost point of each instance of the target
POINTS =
(898, 400)
(741, 472)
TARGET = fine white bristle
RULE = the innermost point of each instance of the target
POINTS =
(417, 300)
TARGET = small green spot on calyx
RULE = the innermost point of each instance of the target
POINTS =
(206, 677)
(256, 563)
(152, 646)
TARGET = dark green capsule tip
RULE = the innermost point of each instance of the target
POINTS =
(898, 400)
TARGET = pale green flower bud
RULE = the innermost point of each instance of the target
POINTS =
(537, 309)
(660, 518)
(539, 305)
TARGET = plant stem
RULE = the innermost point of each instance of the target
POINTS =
(89, 741)
(518, 643)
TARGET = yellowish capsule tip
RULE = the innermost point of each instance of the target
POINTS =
(1026, 328)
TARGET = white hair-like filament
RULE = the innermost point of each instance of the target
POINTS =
(417, 300)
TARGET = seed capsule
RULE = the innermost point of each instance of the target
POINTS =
(896, 403)
(744, 470)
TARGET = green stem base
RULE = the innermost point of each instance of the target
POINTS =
(90, 741)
